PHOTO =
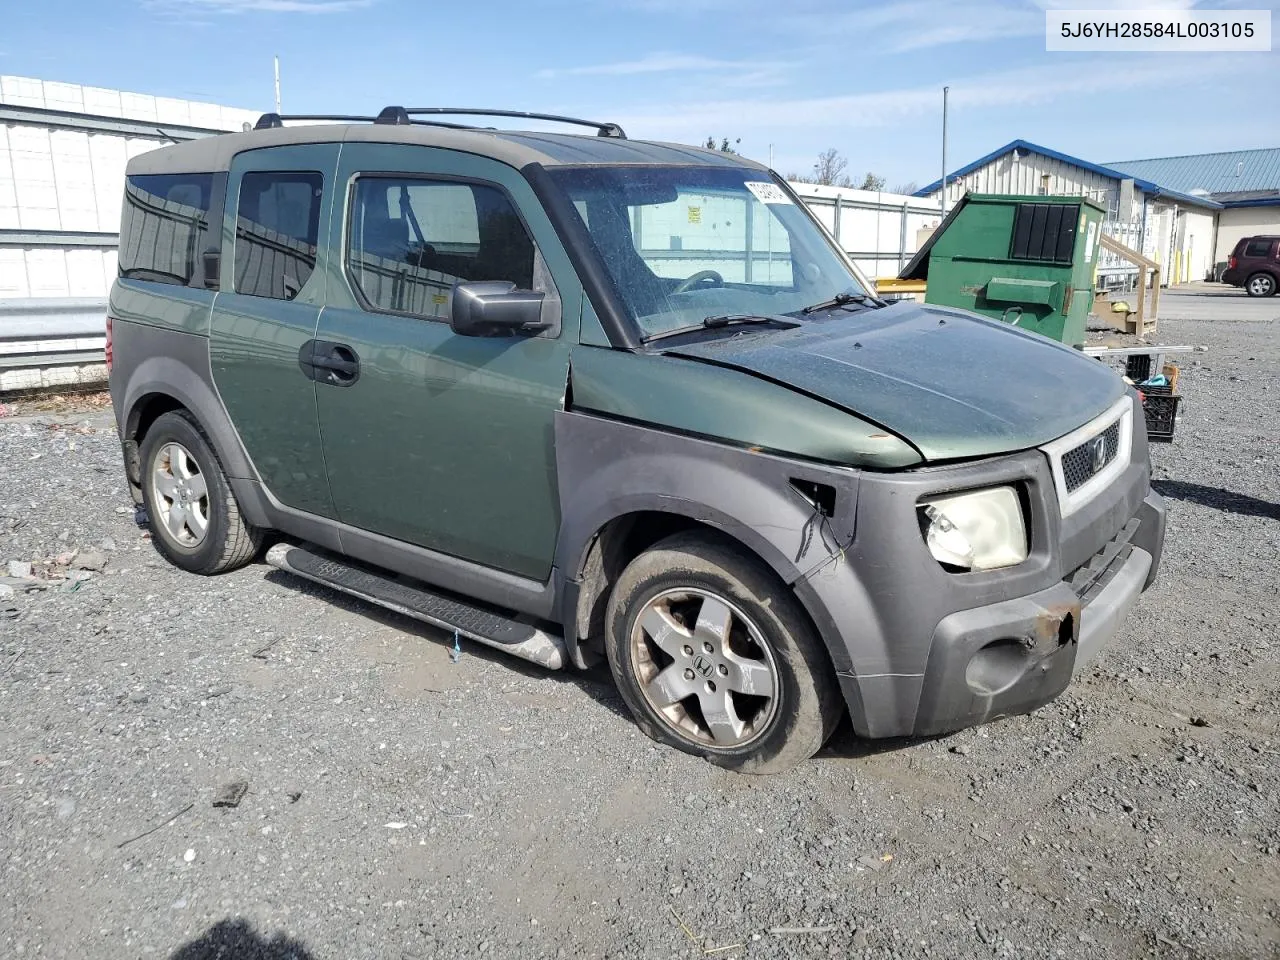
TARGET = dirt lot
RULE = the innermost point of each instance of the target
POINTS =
(401, 805)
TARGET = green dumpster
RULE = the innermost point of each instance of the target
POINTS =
(1025, 260)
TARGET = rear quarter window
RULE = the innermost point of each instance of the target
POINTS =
(164, 226)
(1258, 248)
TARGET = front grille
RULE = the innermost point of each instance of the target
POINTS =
(1080, 464)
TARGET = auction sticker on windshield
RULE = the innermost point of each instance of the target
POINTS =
(767, 192)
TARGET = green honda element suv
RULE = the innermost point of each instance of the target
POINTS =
(586, 398)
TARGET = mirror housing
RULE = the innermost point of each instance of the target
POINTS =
(494, 308)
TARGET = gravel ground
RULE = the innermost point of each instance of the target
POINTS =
(401, 805)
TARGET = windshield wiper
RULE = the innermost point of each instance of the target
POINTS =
(725, 320)
(843, 300)
(734, 318)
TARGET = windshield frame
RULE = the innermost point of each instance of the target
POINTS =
(620, 325)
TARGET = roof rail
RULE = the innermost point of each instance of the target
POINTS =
(402, 116)
(269, 121)
(393, 115)
(397, 117)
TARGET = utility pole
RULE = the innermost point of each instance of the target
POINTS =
(945, 90)
(277, 64)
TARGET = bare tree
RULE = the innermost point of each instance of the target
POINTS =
(829, 169)
(908, 188)
(872, 182)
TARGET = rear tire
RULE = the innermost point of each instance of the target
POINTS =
(195, 520)
(714, 656)
(1260, 285)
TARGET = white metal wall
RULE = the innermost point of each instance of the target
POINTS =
(96, 101)
(1239, 222)
(879, 231)
(72, 180)
(63, 151)
(1193, 257)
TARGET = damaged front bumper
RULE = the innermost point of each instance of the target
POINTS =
(929, 651)
(1014, 656)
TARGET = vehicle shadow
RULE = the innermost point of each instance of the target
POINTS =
(237, 940)
(845, 744)
(596, 682)
(1218, 498)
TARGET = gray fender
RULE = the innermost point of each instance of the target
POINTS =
(609, 469)
(176, 364)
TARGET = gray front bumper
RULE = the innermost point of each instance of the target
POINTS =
(1014, 656)
(1101, 619)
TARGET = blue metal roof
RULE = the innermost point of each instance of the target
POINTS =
(1235, 171)
(1149, 187)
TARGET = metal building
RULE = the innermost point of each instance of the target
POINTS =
(1178, 211)
(1245, 182)
(63, 150)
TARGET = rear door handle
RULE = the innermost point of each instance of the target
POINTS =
(335, 364)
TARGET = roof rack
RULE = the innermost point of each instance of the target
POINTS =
(398, 116)
(269, 121)
(402, 115)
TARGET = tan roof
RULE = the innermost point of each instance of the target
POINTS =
(513, 147)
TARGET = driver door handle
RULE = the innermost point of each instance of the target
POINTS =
(334, 364)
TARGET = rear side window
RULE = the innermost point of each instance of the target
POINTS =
(1257, 248)
(277, 223)
(164, 226)
(411, 240)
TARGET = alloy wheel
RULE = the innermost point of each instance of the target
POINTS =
(180, 495)
(704, 667)
(1260, 286)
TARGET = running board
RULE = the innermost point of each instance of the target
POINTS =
(415, 599)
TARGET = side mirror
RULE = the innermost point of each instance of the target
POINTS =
(488, 308)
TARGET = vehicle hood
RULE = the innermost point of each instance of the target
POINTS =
(953, 384)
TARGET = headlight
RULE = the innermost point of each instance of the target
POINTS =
(982, 530)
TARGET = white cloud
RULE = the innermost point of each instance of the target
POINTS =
(733, 72)
(263, 6)
(922, 24)
(1031, 86)
(653, 63)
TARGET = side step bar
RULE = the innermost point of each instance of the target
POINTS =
(417, 600)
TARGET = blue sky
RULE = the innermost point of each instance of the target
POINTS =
(865, 78)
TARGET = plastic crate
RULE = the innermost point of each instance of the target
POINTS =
(1160, 407)
(1137, 367)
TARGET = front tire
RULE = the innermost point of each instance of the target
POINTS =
(1260, 285)
(195, 520)
(714, 656)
